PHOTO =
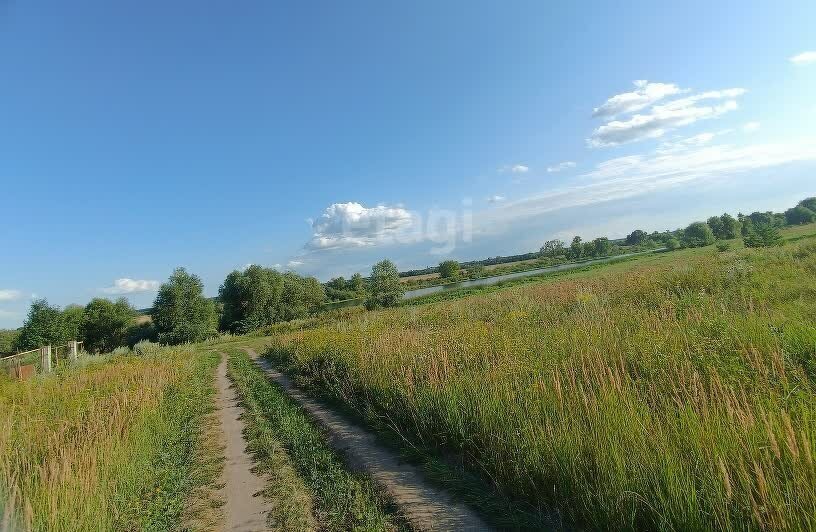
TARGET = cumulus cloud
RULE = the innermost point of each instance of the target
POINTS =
(9, 295)
(750, 127)
(496, 199)
(131, 286)
(348, 225)
(644, 95)
(666, 117)
(560, 166)
(804, 58)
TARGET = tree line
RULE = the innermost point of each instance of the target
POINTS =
(258, 297)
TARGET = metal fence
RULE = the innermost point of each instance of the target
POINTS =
(41, 360)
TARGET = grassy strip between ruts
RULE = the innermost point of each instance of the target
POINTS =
(341, 500)
(128, 454)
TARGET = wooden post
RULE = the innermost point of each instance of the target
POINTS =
(72, 350)
(45, 358)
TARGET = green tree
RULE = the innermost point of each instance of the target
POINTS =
(357, 283)
(552, 248)
(808, 203)
(449, 269)
(250, 299)
(698, 234)
(799, 215)
(73, 316)
(730, 227)
(763, 236)
(672, 243)
(476, 271)
(181, 313)
(716, 225)
(576, 248)
(43, 326)
(385, 289)
(105, 325)
(8, 338)
(636, 237)
(602, 247)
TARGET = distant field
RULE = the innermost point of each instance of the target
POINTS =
(671, 392)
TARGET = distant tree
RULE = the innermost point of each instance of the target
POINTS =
(808, 203)
(602, 247)
(552, 248)
(672, 243)
(181, 313)
(476, 271)
(385, 287)
(716, 225)
(43, 326)
(357, 283)
(763, 236)
(449, 269)
(799, 215)
(730, 227)
(636, 237)
(300, 296)
(698, 234)
(250, 299)
(338, 283)
(576, 248)
(105, 324)
(73, 317)
(8, 337)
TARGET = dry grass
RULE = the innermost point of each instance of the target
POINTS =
(92, 448)
(666, 396)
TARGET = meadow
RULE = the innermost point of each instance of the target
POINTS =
(673, 392)
(114, 443)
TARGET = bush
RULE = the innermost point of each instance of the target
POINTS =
(722, 247)
(146, 348)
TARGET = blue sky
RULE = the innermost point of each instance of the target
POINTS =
(323, 136)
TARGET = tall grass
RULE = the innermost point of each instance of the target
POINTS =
(107, 446)
(668, 396)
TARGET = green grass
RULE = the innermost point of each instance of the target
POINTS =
(109, 445)
(341, 500)
(671, 392)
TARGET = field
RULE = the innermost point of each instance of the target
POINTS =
(118, 443)
(672, 392)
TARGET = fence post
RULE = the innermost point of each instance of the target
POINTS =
(45, 358)
(72, 350)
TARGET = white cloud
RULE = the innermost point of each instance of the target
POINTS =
(10, 295)
(514, 168)
(294, 263)
(750, 127)
(635, 175)
(131, 286)
(560, 166)
(644, 95)
(663, 118)
(682, 144)
(496, 199)
(804, 58)
(277, 266)
(347, 225)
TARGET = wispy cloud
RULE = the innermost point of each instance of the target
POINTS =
(10, 295)
(804, 58)
(665, 117)
(131, 286)
(644, 95)
(294, 263)
(750, 127)
(496, 199)
(514, 168)
(561, 166)
(635, 175)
